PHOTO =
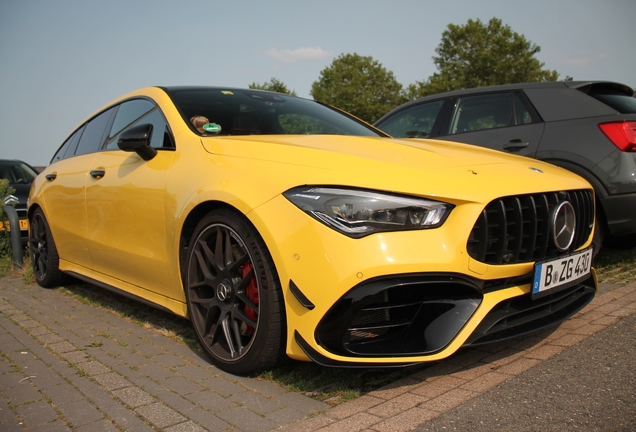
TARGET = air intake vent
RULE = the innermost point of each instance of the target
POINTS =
(516, 229)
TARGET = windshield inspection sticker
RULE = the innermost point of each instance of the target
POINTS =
(226, 92)
(212, 127)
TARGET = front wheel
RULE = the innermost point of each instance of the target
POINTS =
(234, 296)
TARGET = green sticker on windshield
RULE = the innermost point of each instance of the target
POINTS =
(212, 127)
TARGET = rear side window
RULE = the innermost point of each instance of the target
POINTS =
(93, 135)
(414, 122)
(69, 146)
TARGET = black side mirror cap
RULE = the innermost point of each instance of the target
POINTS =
(137, 139)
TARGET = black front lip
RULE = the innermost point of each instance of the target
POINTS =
(432, 309)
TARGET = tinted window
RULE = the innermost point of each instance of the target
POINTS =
(69, 146)
(523, 114)
(473, 113)
(16, 172)
(93, 134)
(240, 112)
(136, 112)
(622, 104)
(414, 122)
(617, 96)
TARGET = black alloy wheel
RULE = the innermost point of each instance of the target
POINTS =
(234, 296)
(44, 257)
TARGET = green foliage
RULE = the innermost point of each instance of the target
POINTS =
(477, 55)
(358, 85)
(5, 191)
(274, 85)
(5, 239)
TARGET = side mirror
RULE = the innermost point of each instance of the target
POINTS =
(137, 139)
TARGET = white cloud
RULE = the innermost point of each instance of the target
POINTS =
(298, 55)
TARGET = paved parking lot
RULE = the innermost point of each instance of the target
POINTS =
(67, 365)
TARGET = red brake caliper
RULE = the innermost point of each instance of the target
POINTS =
(251, 291)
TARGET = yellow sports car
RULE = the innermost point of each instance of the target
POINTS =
(283, 227)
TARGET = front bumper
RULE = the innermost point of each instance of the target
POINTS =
(401, 297)
(416, 318)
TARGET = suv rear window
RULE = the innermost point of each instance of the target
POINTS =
(619, 99)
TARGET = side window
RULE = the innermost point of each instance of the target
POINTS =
(473, 113)
(523, 114)
(136, 112)
(94, 134)
(68, 148)
(413, 122)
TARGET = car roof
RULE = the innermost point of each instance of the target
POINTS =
(522, 86)
(578, 85)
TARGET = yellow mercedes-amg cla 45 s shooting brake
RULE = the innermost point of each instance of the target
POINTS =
(282, 227)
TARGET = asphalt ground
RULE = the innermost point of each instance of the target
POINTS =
(70, 366)
(588, 387)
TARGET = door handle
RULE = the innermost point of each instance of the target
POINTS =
(515, 144)
(51, 176)
(98, 173)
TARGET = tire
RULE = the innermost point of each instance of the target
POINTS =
(599, 230)
(44, 257)
(627, 241)
(234, 296)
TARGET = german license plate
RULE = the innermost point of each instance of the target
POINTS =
(559, 273)
(24, 225)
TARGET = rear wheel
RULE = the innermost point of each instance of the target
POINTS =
(44, 257)
(234, 296)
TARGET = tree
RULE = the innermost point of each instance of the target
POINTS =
(274, 85)
(358, 85)
(478, 55)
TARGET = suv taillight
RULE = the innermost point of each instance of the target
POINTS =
(622, 134)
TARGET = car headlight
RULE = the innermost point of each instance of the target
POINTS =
(358, 213)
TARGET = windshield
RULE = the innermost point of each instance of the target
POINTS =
(211, 111)
(17, 172)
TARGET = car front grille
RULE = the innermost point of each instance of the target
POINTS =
(516, 229)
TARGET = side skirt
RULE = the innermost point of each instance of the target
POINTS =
(119, 291)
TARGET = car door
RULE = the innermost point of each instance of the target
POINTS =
(502, 121)
(64, 198)
(125, 203)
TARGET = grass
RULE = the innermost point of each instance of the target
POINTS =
(616, 266)
(331, 385)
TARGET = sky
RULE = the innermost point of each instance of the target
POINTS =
(60, 60)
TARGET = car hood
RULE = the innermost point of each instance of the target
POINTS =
(420, 167)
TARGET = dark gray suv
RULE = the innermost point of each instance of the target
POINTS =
(588, 127)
